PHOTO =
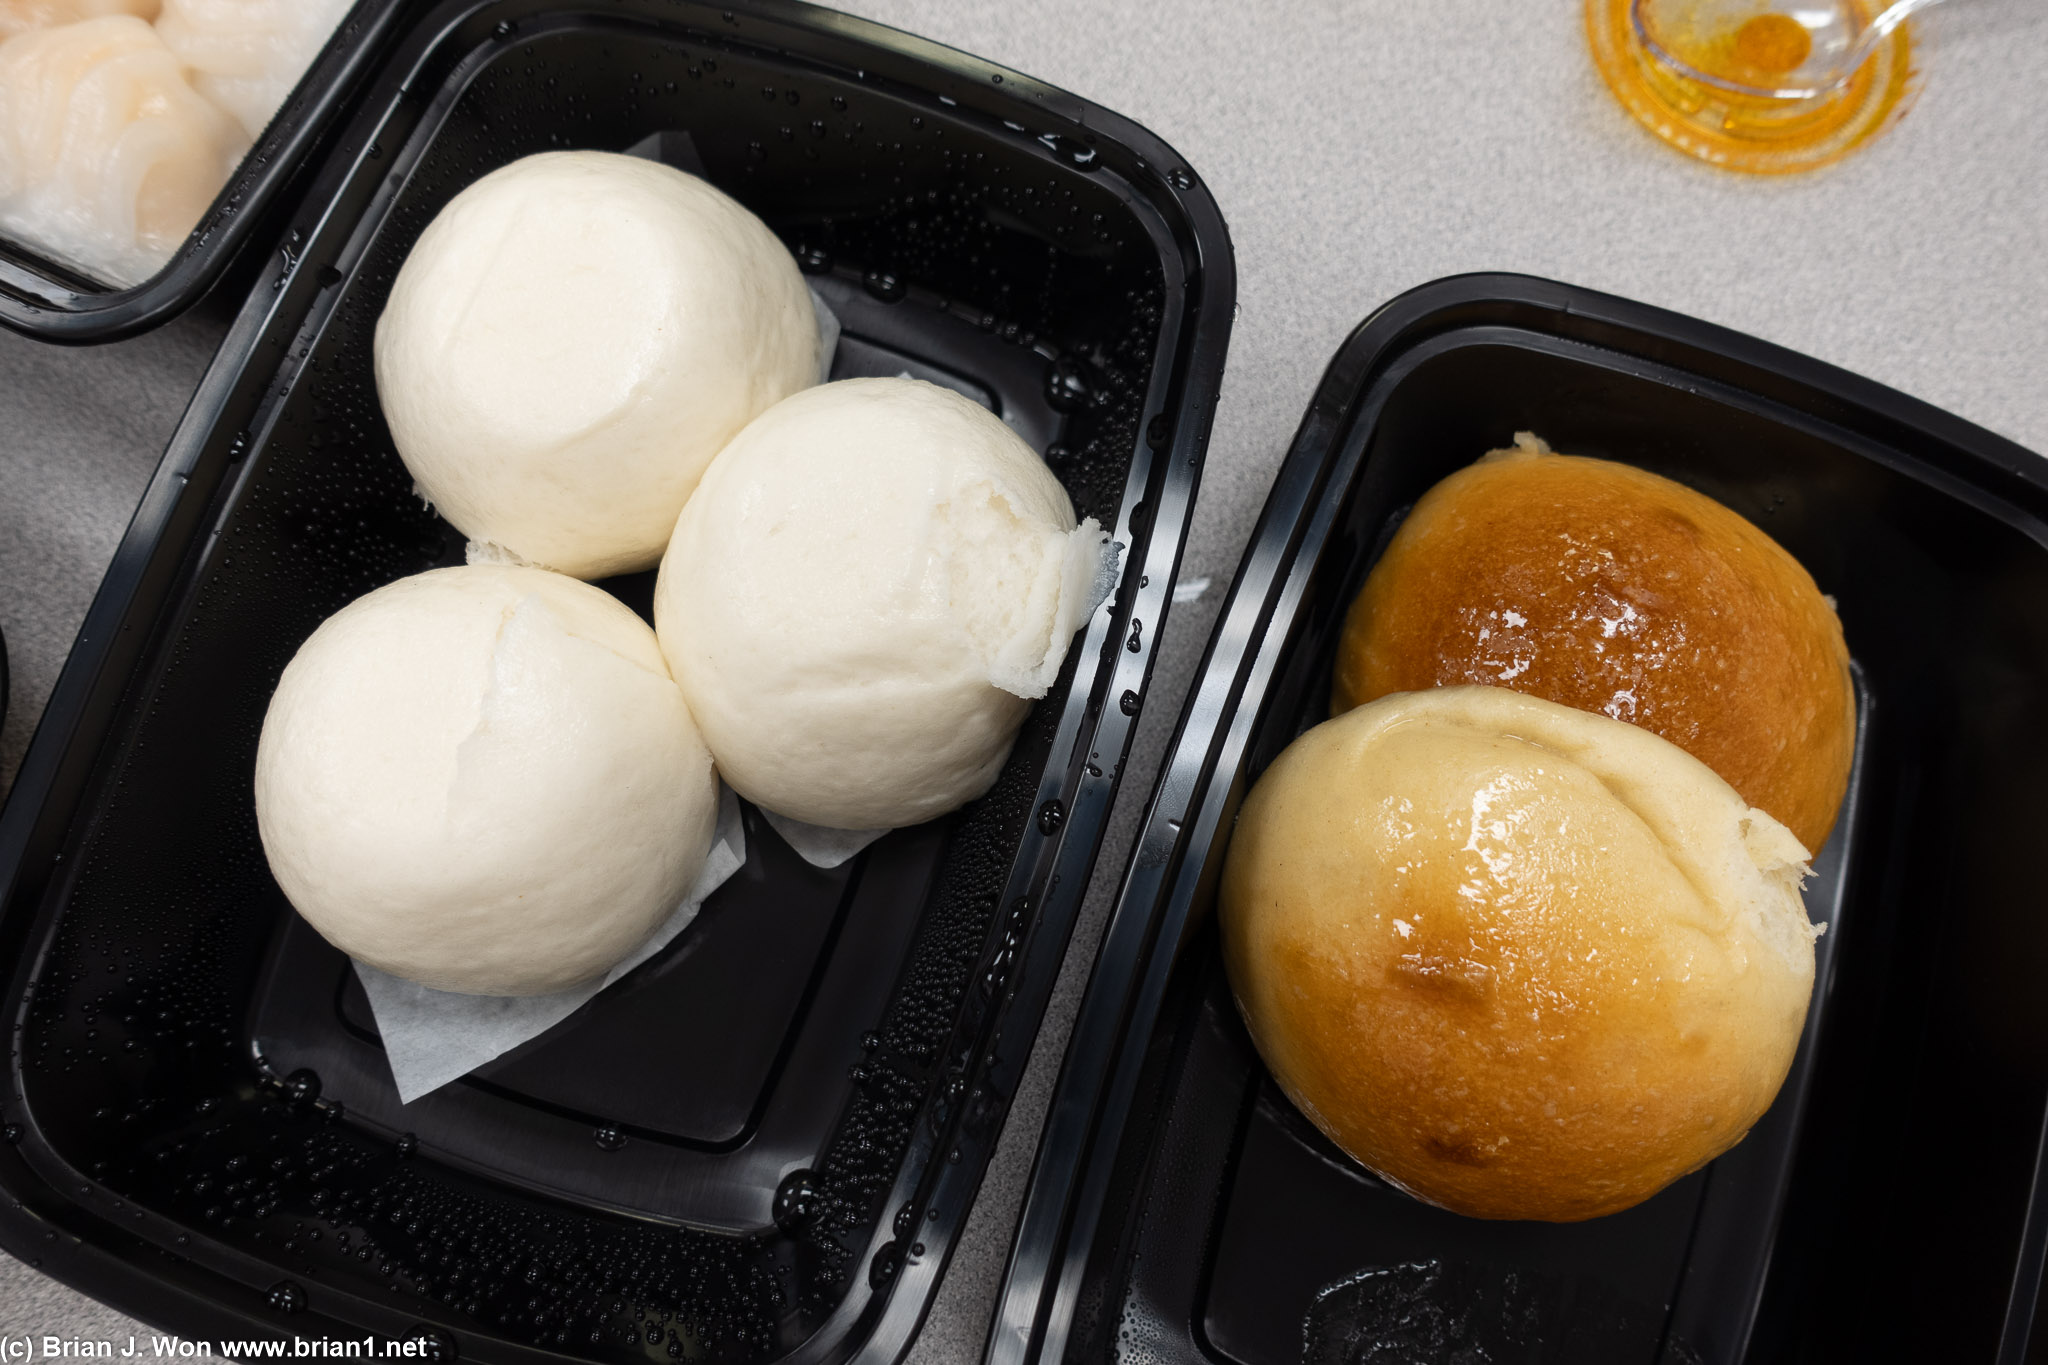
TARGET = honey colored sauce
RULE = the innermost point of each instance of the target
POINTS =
(1753, 133)
(1772, 42)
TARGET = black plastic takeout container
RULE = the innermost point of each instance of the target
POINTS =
(762, 1145)
(1888, 1206)
(42, 297)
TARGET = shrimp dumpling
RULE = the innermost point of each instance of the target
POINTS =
(18, 16)
(247, 55)
(108, 156)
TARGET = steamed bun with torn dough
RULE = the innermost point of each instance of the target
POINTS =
(570, 342)
(868, 589)
(1522, 960)
(484, 780)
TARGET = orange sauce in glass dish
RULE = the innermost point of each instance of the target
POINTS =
(1772, 42)
(1751, 133)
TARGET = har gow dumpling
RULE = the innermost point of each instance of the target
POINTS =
(18, 16)
(249, 54)
(108, 157)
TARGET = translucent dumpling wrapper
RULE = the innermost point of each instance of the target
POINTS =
(108, 156)
(247, 55)
(19, 16)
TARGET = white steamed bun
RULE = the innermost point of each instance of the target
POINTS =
(483, 779)
(108, 157)
(249, 54)
(868, 586)
(572, 340)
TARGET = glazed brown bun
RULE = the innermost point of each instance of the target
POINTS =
(1611, 589)
(1523, 961)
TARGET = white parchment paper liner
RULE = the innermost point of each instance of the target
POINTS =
(819, 845)
(432, 1037)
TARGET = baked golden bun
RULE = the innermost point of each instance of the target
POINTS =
(1611, 589)
(1523, 961)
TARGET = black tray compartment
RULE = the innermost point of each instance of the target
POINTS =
(1886, 1207)
(762, 1145)
(43, 298)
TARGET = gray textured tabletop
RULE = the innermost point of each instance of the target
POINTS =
(1357, 148)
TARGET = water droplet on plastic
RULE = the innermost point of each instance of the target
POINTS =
(799, 1203)
(1181, 178)
(287, 1297)
(408, 1143)
(1067, 386)
(12, 1134)
(1051, 816)
(302, 1086)
(883, 285)
(609, 1138)
(883, 1268)
(434, 1344)
(1159, 431)
(814, 260)
(1077, 154)
(1137, 640)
